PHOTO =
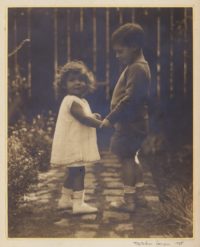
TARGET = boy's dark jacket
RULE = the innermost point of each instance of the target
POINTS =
(130, 96)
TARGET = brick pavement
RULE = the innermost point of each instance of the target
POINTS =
(102, 184)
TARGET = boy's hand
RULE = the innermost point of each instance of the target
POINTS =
(105, 123)
(97, 116)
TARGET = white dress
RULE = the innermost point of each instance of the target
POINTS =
(73, 142)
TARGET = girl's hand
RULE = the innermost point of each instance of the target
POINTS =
(105, 123)
(97, 116)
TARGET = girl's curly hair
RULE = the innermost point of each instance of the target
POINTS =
(79, 69)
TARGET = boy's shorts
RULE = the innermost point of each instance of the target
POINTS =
(126, 140)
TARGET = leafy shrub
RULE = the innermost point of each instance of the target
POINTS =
(22, 171)
(29, 147)
(36, 137)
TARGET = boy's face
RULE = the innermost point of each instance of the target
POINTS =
(125, 54)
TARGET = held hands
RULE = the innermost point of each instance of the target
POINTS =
(97, 116)
(105, 123)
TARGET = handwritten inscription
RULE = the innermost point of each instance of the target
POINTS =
(157, 243)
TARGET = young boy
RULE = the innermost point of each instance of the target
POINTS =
(129, 112)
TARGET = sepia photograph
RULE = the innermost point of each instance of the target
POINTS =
(100, 122)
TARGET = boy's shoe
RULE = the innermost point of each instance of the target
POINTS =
(140, 198)
(141, 201)
(79, 206)
(122, 205)
(65, 202)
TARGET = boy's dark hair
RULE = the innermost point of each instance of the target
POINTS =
(79, 69)
(129, 34)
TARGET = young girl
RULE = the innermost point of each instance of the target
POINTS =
(74, 142)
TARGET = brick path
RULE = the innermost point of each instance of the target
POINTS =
(103, 184)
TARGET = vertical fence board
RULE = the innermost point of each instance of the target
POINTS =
(75, 33)
(42, 54)
(68, 30)
(62, 36)
(158, 86)
(55, 42)
(94, 39)
(114, 23)
(189, 74)
(87, 37)
(165, 54)
(11, 44)
(22, 34)
(147, 18)
(171, 62)
(178, 54)
(127, 15)
(101, 45)
(189, 60)
(29, 75)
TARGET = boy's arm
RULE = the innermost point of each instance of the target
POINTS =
(78, 113)
(136, 91)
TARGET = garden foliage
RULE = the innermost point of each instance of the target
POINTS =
(29, 146)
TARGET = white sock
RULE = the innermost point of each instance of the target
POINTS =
(136, 158)
(139, 185)
(66, 191)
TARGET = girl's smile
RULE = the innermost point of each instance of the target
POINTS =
(76, 86)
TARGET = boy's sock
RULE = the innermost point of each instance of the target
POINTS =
(139, 185)
(138, 169)
(140, 198)
(129, 189)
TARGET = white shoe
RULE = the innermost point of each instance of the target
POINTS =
(65, 202)
(83, 208)
(79, 206)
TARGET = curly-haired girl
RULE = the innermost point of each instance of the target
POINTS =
(74, 142)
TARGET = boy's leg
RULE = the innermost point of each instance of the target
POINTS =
(128, 171)
(125, 146)
(138, 170)
(140, 199)
(129, 179)
(133, 186)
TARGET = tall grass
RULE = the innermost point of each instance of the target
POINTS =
(176, 211)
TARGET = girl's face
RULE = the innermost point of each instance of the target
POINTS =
(124, 54)
(75, 85)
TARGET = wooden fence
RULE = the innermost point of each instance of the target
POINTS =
(50, 37)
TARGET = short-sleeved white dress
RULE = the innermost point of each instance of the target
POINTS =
(74, 144)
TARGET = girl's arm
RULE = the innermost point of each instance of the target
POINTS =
(78, 113)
